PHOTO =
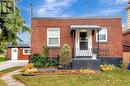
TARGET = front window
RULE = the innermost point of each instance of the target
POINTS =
(26, 51)
(102, 35)
(53, 37)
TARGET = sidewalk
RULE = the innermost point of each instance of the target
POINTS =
(10, 81)
(9, 64)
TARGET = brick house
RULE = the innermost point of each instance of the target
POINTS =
(92, 40)
(19, 52)
(126, 41)
(126, 33)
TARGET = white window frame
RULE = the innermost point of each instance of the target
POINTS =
(24, 53)
(58, 29)
(106, 39)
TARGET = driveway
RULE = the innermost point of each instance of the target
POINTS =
(9, 64)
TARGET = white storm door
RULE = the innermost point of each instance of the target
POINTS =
(14, 54)
(84, 43)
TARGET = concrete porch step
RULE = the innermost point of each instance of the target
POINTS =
(85, 63)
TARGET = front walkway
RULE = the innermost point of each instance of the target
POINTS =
(9, 64)
(10, 81)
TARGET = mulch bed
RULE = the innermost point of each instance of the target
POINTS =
(63, 72)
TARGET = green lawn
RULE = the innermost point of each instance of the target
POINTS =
(104, 79)
(2, 58)
(2, 83)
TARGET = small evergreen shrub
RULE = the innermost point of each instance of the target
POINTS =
(46, 51)
(65, 54)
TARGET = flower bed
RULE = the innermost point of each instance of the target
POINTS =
(30, 70)
(71, 72)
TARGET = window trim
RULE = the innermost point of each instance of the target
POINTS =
(106, 39)
(26, 53)
(58, 29)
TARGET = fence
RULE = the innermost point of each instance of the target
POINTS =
(126, 57)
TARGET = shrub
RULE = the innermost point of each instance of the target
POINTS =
(65, 54)
(29, 69)
(37, 60)
(43, 61)
(123, 66)
(28, 66)
(107, 67)
(46, 51)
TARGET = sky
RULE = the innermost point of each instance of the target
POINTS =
(71, 8)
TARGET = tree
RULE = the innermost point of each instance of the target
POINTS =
(12, 24)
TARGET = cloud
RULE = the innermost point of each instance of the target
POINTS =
(108, 12)
(113, 2)
(103, 12)
(54, 7)
(119, 2)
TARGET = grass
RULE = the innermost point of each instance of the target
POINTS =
(103, 79)
(2, 83)
(10, 70)
(2, 58)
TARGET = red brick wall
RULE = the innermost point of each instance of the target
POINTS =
(126, 41)
(9, 53)
(21, 56)
(39, 34)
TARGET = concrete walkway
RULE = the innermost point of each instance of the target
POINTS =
(9, 64)
(10, 81)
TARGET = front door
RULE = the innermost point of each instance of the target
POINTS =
(14, 54)
(84, 43)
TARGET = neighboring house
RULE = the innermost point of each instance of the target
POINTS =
(92, 40)
(19, 52)
(126, 41)
(126, 33)
(126, 37)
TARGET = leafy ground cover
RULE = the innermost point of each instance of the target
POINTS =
(115, 78)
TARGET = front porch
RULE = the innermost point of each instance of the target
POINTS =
(85, 56)
(83, 41)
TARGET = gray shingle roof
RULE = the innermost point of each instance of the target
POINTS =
(19, 45)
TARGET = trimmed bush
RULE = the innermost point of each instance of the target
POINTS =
(43, 61)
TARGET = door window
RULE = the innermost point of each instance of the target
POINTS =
(83, 41)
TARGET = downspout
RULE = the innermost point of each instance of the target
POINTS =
(73, 43)
(98, 45)
(73, 50)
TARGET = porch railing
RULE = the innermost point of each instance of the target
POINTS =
(92, 52)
